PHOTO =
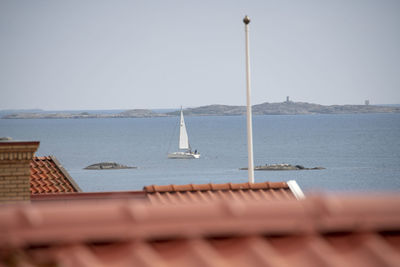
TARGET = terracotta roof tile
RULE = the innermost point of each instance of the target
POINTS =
(214, 187)
(176, 194)
(317, 231)
(48, 176)
(211, 192)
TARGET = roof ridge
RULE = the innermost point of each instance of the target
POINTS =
(40, 158)
(214, 187)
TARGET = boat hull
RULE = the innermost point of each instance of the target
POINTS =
(183, 155)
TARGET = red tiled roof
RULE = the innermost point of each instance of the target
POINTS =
(191, 193)
(317, 231)
(91, 196)
(48, 176)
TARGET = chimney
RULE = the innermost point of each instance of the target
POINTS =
(15, 158)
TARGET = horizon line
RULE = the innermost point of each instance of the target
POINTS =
(173, 108)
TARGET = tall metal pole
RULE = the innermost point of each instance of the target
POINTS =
(246, 21)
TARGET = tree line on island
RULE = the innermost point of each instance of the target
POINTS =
(283, 108)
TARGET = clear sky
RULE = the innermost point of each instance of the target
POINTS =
(81, 54)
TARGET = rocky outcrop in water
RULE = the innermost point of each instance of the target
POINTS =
(282, 167)
(108, 166)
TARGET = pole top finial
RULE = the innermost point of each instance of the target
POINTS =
(246, 20)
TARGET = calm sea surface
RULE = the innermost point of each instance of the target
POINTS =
(359, 152)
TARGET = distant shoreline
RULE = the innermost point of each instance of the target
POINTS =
(283, 108)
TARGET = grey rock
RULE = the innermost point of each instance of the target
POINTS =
(282, 167)
(108, 166)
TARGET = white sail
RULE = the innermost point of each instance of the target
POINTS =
(183, 136)
(185, 152)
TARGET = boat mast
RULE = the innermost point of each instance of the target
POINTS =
(250, 168)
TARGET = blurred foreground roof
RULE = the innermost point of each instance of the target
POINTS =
(317, 231)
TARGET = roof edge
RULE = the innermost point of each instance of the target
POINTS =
(18, 143)
(66, 174)
(214, 187)
(296, 190)
(81, 196)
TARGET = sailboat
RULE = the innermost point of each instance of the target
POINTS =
(184, 147)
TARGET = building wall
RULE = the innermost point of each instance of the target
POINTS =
(15, 160)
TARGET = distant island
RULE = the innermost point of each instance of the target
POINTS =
(286, 108)
(283, 108)
(134, 113)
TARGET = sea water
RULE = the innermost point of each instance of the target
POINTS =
(361, 152)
